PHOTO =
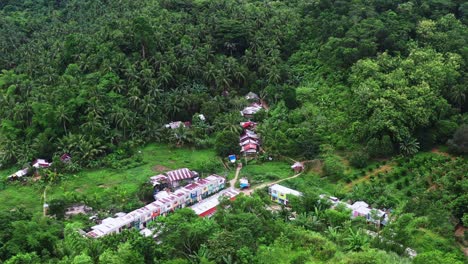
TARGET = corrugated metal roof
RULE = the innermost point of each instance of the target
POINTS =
(180, 174)
(285, 190)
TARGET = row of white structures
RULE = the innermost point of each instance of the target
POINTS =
(279, 193)
(139, 218)
(361, 209)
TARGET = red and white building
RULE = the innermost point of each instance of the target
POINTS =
(165, 203)
(41, 163)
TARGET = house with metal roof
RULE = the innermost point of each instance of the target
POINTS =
(207, 207)
(174, 177)
(279, 193)
(18, 174)
(41, 163)
(297, 167)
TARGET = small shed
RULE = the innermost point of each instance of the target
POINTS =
(18, 174)
(175, 125)
(41, 163)
(297, 167)
(65, 158)
(244, 183)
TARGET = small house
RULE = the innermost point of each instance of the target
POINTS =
(244, 183)
(18, 174)
(176, 176)
(65, 158)
(279, 193)
(297, 167)
(362, 209)
(249, 149)
(41, 163)
(248, 125)
(250, 111)
(249, 141)
(175, 125)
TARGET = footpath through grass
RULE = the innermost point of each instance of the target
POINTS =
(107, 186)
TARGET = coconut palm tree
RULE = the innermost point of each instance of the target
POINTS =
(63, 116)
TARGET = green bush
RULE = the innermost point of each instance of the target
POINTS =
(227, 143)
(333, 167)
(380, 147)
(359, 159)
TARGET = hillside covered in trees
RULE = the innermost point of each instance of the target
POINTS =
(368, 88)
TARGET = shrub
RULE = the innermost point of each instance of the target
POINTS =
(333, 167)
(459, 143)
(227, 142)
(57, 207)
(359, 159)
(145, 192)
(380, 147)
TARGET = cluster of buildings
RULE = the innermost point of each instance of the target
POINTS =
(254, 107)
(279, 193)
(361, 209)
(177, 124)
(249, 140)
(194, 194)
(37, 164)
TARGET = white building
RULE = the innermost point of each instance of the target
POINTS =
(279, 193)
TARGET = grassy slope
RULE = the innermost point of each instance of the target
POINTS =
(104, 182)
(266, 172)
(116, 186)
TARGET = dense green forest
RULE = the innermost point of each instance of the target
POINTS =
(369, 88)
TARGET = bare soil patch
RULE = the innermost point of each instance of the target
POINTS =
(160, 168)
(442, 153)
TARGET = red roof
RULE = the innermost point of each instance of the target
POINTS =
(246, 124)
(191, 186)
(180, 174)
(202, 181)
(249, 146)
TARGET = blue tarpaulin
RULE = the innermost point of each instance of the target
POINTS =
(232, 158)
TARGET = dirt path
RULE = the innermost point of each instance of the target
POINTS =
(233, 181)
(442, 153)
(250, 191)
(264, 103)
(459, 231)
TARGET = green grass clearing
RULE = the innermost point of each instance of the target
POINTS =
(109, 187)
(265, 172)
